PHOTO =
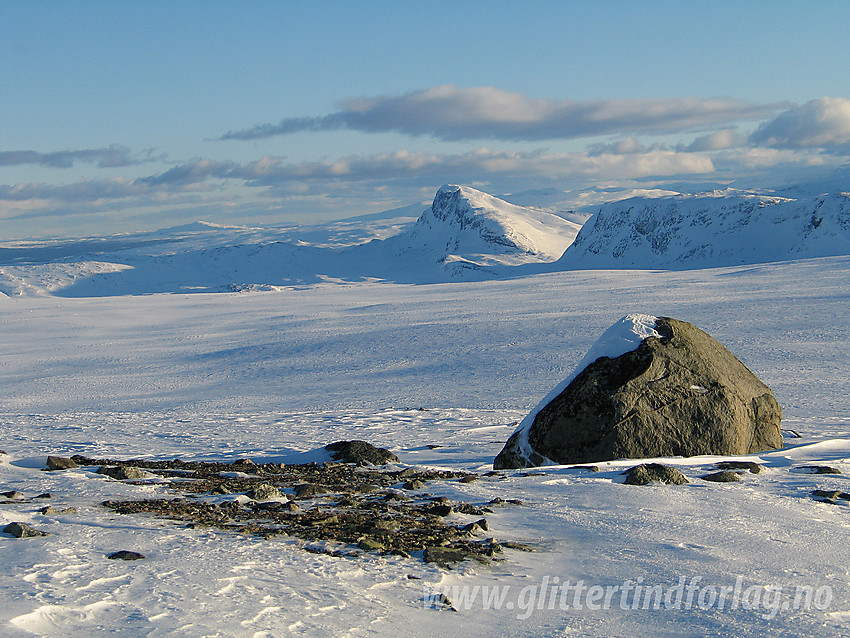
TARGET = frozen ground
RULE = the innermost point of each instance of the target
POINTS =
(271, 375)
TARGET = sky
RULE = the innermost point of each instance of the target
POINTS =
(127, 116)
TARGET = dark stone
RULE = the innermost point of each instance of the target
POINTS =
(13, 495)
(122, 472)
(55, 510)
(830, 496)
(44, 495)
(443, 556)
(439, 509)
(647, 473)
(125, 555)
(819, 469)
(724, 476)
(22, 530)
(469, 478)
(683, 394)
(415, 484)
(265, 492)
(361, 453)
(60, 463)
(753, 467)
(307, 490)
(370, 545)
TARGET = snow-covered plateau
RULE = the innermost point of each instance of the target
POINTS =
(269, 344)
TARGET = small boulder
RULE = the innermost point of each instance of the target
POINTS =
(361, 453)
(724, 476)
(415, 484)
(125, 555)
(444, 556)
(122, 472)
(13, 495)
(752, 466)
(647, 473)
(60, 463)
(265, 492)
(22, 530)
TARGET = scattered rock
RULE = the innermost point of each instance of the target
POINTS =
(587, 468)
(415, 484)
(122, 472)
(819, 469)
(361, 453)
(647, 473)
(44, 495)
(724, 476)
(439, 509)
(371, 545)
(682, 394)
(13, 495)
(308, 490)
(60, 463)
(438, 600)
(830, 496)
(469, 478)
(125, 555)
(22, 530)
(478, 526)
(444, 556)
(753, 467)
(265, 492)
(55, 510)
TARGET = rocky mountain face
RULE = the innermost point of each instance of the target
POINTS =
(717, 229)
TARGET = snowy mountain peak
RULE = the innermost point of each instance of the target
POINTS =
(466, 224)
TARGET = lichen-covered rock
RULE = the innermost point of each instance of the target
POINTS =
(60, 463)
(677, 393)
(361, 453)
(647, 473)
(22, 530)
(122, 472)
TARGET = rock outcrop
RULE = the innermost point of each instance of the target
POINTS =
(678, 393)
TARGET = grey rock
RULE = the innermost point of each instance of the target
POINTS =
(444, 556)
(265, 492)
(13, 495)
(683, 394)
(415, 484)
(60, 463)
(307, 490)
(752, 466)
(370, 545)
(724, 476)
(125, 555)
(819, 469)
(361, 453)
(22, 530)
(56, 510)
(122, 472)
(647, 473)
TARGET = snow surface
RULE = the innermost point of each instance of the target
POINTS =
(276, 375)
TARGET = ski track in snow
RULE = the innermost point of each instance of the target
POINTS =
(273, 376)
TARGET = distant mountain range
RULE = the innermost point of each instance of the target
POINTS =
(465, 234)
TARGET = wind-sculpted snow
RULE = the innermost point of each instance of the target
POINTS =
(719, 229)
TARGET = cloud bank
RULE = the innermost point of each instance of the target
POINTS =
(822, 123)
(110, 157)
(451, 113)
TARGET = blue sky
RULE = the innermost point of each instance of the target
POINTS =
(121, 116)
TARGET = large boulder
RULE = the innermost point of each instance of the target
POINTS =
(665, 388)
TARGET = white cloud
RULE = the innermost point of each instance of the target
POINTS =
(822, 123)
(451, 113)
